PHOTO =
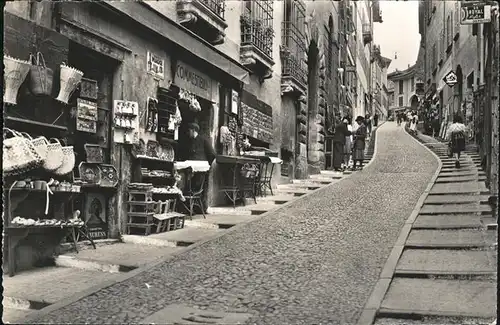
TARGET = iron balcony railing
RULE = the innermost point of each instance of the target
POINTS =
(218, 7)
(256, 26)
(293, 41)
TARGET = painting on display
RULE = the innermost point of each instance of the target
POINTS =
(156, 66)
(152, 115)
(86, 120)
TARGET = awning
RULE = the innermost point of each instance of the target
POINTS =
(161, 25)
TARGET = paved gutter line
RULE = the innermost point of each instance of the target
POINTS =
(408, 314)
(374, 302)
(125, 276)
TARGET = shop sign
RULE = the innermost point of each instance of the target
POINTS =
(474, 13)
(450, 79)
(95, 216)
(86, 120)
(234, 102)
(156, 66)
(194, 81)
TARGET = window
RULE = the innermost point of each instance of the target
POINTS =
(293, 39)
(400, 99)
(401, 86)
(257, 26)
(412, 84)
(329, 47)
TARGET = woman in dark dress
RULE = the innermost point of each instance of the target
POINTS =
(339, 136)
(456, 134)
(359, 143)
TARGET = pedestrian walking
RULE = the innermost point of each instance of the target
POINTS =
(399, 118)
(375, 119)
(340, 135)
(368, 124)
(348, 142)
(413, 123)
(456, 137)
(359, 143)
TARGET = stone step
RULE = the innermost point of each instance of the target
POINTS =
(218, 221)
(121, 257)
(313, 181)
(238, 210)
(440, 297)
(327, 174)
(307, 186)
(460, 179)
(40, 287)
(447, 221)
(446, 174)
(441, 261)
(14, 316)
(292, 191)
(457, 199)
(460, 188)
(276, 199)
(468, 208)
(446, 239)
(182, 237)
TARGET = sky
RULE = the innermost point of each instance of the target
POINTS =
(398, 33)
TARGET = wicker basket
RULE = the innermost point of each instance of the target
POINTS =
(68, 161)
(54, 157)
(40, 144)
(70, 78)
(19, 154)
(41, 77)
(15, 71)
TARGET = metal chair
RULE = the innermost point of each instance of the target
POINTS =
(194, 197)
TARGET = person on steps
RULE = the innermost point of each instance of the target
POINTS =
(339, 138)
(359, 143)
(456, 135)
(348, 142)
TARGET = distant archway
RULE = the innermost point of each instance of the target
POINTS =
(414, 102)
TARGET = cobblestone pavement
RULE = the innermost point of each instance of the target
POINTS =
(315, 261)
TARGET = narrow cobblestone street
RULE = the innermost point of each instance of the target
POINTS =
(315, 261)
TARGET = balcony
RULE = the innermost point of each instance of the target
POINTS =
(204, 17)
(293, 74)
(256, 49)
(367, 33)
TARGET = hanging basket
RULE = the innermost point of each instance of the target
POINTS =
(70, 78)
(54, 157)
(19, 154)
(68, 161)
(15, 72)
(41, 77)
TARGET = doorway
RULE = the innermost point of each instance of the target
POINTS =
(312, 91)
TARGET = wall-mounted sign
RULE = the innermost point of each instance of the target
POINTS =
(156, 66)
(194, 81)
(450, 79)
(86, 120)
(234, 102)
(474, 13)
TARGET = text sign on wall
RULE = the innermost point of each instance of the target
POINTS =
(193, 81)
(474, 13)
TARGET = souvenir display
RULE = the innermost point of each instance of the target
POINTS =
(41, 78)
(152, 149)
(109, 175)
(70, 78)
(90, 173)
(68, 161)
(15, 72)
(94, 153)
(19, 154)
(152, 115)
(54, 157)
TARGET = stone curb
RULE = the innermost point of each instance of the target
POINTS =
(373, 303)
(125, 276)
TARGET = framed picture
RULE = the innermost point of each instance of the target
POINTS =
(88, 89)
(86, 120)
(155, 66)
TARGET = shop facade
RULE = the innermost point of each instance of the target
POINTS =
(125, 62)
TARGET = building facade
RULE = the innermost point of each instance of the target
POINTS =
(405, 96)
(380, 64)
(364, 38)
(471, 52)
(274, 72)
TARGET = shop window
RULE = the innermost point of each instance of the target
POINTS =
(97, 70)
